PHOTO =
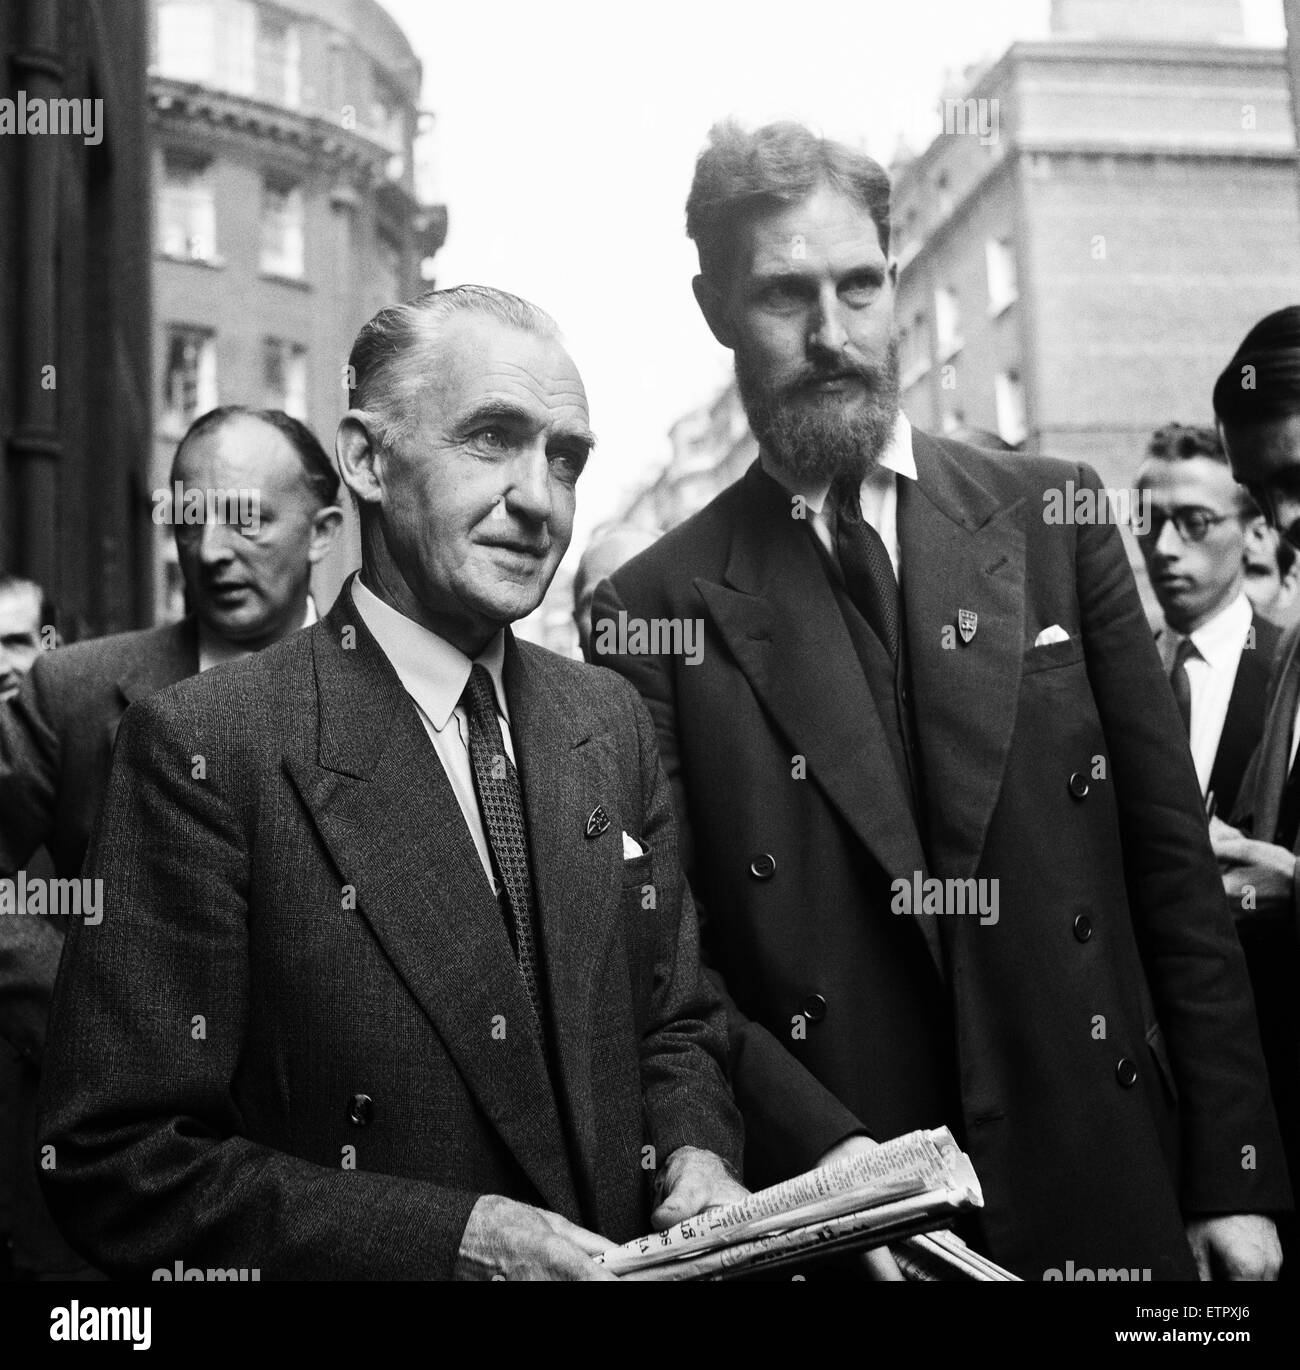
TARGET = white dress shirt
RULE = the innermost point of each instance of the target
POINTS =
(434, 674)
(216, 651)
(879, 492)
(1211, 674)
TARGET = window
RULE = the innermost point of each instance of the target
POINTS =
(187, 39)
(914, 347)
(1001, 261)
(190, 378)
(187, 213)
(278, 61)
(1009, 398)
(386, 117)
(282, 229)
(284, 377)
(947, 322)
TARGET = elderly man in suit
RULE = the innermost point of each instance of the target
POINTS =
(1216, 649)
(1257, 401)
(937, 808)
(398, 897)
(249, 584)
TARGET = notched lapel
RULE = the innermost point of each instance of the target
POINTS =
(961, 550)
(565, 773)
(383, 806)
(779, 618)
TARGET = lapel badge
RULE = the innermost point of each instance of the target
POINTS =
(967, 621)
(597, 821)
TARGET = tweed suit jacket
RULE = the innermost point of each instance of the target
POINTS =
(299, 1041)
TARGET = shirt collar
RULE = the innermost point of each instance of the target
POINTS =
(897, 459)
(432, 671)
(1219, 640)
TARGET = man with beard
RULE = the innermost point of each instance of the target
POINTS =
(937, 808)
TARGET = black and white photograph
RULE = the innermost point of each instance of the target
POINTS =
(649, 645)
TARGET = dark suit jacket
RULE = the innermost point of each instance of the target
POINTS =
(1244, 721)
(1095, 1047)
(56, 738)
(307, 921)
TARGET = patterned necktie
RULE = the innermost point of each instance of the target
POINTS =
(1182, 685)
(864, 562)
(501, 803)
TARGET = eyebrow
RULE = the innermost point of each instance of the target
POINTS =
(516, 416)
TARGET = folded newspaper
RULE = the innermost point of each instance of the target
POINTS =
(915, 1183)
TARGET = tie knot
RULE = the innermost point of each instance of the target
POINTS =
(478, 697)
(1185, 652)
(846, 498)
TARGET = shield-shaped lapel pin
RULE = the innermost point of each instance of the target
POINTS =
(967, 621)
(597, 821)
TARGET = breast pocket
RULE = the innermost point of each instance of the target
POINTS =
(1052, 656)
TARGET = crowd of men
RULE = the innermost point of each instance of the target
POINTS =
(427, 953)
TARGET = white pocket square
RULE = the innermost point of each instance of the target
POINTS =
(631, 848)
(1049, 635)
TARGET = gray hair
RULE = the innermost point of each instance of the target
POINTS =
(384, 367)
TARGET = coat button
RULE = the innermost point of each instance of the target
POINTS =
(1078, 784)
(1083, 927)
(1126, 1073)
(361, 1109)
(762, 867)
(814, 1008)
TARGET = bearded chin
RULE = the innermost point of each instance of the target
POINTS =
(819, 442)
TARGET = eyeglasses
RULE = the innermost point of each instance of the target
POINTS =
(1192, 524)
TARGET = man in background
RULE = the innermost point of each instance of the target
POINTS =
(1257, 403)
(26, 626)
(1271, 572)
(248, 586)
(610, 546)
(1216, 649)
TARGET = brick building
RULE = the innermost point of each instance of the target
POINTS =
(287, 212)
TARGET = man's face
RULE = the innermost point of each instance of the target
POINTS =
(809, 312)
(20, 636)
(1263, 583)
(476, 505)
(1266, 460)
(248, 584)
(1193, 580)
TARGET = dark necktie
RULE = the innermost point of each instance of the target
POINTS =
(501, 803)
(1182, 685)
(868, 573)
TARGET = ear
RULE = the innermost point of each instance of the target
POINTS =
(358, 454)
(324, 529)
(713, 307)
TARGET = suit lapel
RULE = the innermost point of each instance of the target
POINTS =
(382, 803)
(960, 550)
(576, 880)
(1274, 754)
(1241, 723)
(175, 656)
(778, 615)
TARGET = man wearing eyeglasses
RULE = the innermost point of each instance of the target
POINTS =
(1216, 650)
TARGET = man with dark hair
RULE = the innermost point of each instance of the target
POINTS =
(424, 896)
(1257, 403)
(1216, 650)
(919, 690)
(248, 586)
(1270, 567)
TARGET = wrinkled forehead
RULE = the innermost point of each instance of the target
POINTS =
(244, 453)
(827, 227)
(478, 361)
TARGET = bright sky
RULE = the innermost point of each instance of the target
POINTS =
(566, 135)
